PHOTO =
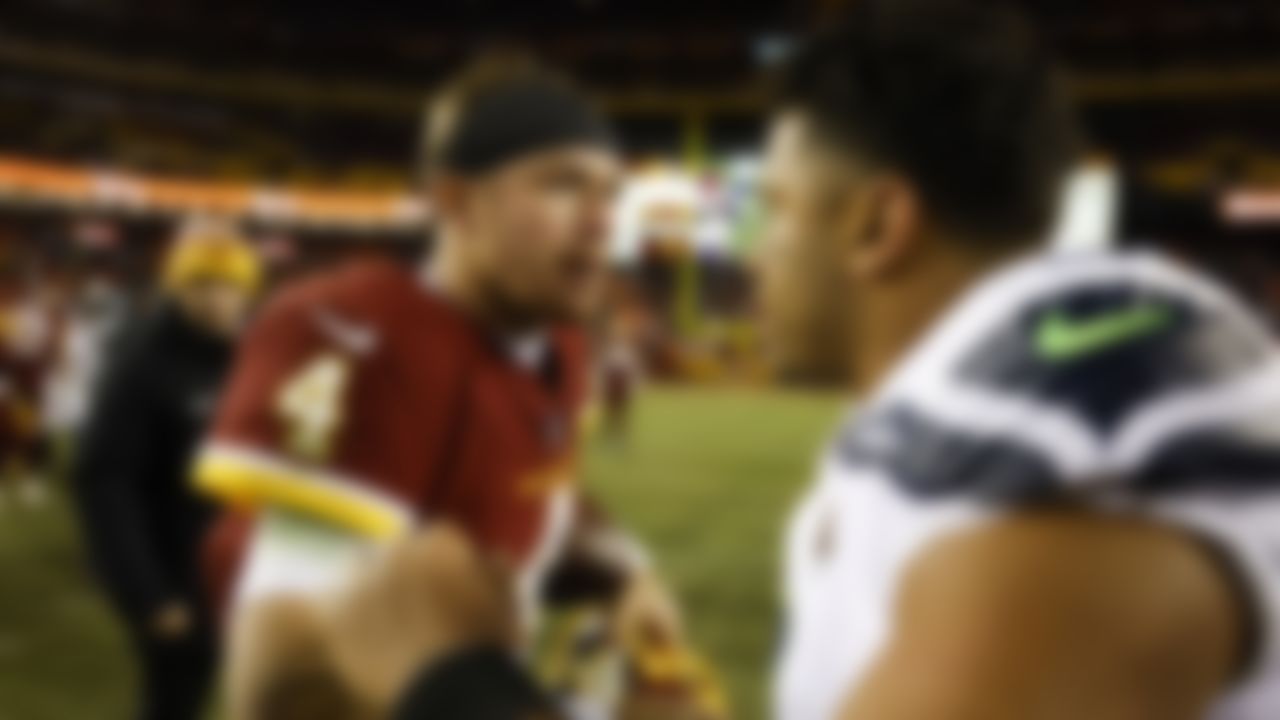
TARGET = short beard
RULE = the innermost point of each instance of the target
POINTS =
(509, 314)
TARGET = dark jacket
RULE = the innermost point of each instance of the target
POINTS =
(142, 522)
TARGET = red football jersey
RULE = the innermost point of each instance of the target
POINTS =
(363, 398)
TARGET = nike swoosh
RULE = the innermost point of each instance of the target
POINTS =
(353, 337)
(1058, 338)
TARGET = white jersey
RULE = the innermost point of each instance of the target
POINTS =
(1118, 379)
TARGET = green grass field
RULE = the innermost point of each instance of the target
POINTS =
(707, 480)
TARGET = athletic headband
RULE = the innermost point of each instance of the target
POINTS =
(520, 118)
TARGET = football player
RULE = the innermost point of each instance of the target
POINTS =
(1059, 494)
(372, 399)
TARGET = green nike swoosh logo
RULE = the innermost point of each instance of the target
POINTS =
(1059, 338)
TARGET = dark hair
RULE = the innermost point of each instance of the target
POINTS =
(958, 95)
(449, 102)
(502, 104)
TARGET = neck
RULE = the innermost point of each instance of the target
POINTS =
(890, 317)
(449, 274)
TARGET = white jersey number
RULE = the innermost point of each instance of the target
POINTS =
(310, 404)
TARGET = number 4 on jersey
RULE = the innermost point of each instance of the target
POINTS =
(311, 408)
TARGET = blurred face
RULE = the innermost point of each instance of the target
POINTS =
(803, 274)
(535, 232)
(217, 306)
(839, 231)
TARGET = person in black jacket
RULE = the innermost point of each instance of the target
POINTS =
(142, 524)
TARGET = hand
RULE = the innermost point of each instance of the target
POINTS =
(351, 655)
(673, 684)
(426, 598)
(647, 614)
(671, 681)
(172, 621)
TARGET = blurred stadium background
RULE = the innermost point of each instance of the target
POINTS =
(118, 119)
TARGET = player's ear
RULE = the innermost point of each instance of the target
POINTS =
(446, 195)
(887, 217)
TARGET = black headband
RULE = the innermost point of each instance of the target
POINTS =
(519, 118)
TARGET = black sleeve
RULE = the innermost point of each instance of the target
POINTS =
(108, 481)
(483, 683)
